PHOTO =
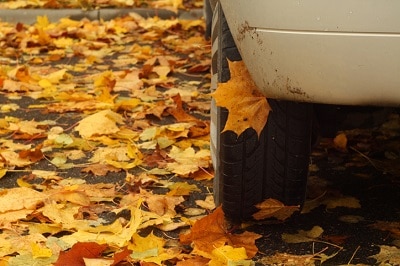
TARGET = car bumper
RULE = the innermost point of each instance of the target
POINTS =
(337, 52)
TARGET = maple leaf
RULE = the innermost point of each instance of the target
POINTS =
(272, 208)
(211, 232)
(247, 106)
(207, 233)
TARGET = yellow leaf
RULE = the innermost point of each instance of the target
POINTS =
(145, 243)
(247, 106)
(97, 262)
(123, 165)
(63, 42)
(188, 161)
(42, 21)
(22, 183)
(13, 216)
(228, 255)
(20, 198)
(45, 84)
(181, 189)
(3, 172)
(70, 195)
(55, 76)
(40, 252)
(100, 123)
(29, 127)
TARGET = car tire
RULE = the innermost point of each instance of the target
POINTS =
(248, 168)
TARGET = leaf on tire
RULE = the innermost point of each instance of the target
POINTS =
(247, 106)
(272, 208)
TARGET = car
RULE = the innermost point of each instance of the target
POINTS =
(322, 65)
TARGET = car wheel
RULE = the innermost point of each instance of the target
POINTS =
(248, 168)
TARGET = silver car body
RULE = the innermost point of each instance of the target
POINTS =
(323, 51)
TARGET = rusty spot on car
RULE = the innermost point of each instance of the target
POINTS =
(242, 30)
(296, 90)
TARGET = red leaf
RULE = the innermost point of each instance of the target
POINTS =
(33, 155)
(80, 250)
(120, 256)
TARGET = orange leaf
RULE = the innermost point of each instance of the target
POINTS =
(247, 106)
(246, 240)
(340, 142)
(211, 232)
(100, 169)
(196, 261)
(207, 233)
(32, 155)
(178, 112)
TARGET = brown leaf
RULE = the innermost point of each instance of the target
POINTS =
(247, 106)
(392, 227)
(201, 67)
(272, 208)
(158, 158)
(201, 128)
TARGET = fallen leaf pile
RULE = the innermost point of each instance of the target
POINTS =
(173, 5)
(125, 97)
